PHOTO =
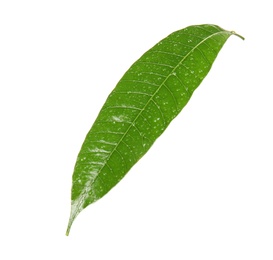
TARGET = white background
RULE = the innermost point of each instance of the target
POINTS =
(203, 191)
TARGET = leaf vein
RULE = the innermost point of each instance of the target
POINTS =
(140, 81)
(173, 97)
(133, 92)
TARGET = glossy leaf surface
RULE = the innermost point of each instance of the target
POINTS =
(146, 99)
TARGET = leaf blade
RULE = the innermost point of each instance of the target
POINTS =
(144, 102)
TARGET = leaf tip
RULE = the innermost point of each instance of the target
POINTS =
(240, 36)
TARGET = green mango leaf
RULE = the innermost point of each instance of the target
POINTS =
(144, 102)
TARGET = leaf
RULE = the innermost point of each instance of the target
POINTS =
(146, 99)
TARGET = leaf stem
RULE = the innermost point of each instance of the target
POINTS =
(69, 226)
